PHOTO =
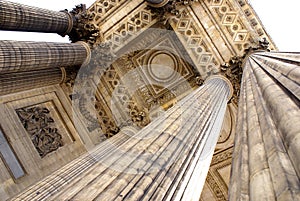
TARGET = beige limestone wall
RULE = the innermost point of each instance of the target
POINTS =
(35, 166)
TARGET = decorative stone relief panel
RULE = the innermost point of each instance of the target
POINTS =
(42, 120)
(193, 38)
(163, 69)
(101, 9)
(128, 29)
(231, 23)
(41, 128)
(254, 21)
(38, 137)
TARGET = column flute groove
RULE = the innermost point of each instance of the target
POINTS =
(169, 155)
(19, 17)
(28, 65)
(25, 56)
(267, 145)
(21, 81)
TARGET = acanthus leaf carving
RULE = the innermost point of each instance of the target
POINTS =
(39, 125)
(83, 29)
(139, 117)
(233, 69)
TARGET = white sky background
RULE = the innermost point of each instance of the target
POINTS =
(280, 19)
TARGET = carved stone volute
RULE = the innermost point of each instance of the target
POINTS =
(261, 45)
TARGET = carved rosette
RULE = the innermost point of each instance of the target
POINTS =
(171, 7)
(139, 117)
(233, 69)
(41, 128)
(83, 28)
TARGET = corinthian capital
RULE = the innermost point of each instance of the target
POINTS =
(233, 69)
(83, 27)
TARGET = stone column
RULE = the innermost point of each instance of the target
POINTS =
(266, 162)
(25, 56)
(21, 81)
(19, 17)
(166, 160)
(27, 65)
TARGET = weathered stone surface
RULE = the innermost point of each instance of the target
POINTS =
(19, 17)
(268, 116)
(165, 163)
(208, 33)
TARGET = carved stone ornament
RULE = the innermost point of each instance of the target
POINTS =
(234, 72)
(171, 8)
(233, 69)
(199, 81)
(83, 28)
(157, 3)
(261, 45)
(102, 56)
(101, 59)
(139, 117)
(69, 81)
(39, 125)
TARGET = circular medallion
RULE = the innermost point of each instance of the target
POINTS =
(162, 67)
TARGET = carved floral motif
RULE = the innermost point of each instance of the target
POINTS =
(83, 28)
(172, 7)
(40, 126)
(139, 117)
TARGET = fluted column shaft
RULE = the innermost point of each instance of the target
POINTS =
(19, 17)
(21, 81)
(166, 160)
(266, 164)
(25, 56)
(28, 65)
